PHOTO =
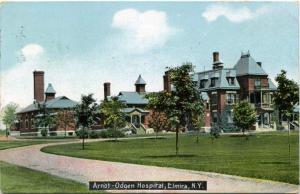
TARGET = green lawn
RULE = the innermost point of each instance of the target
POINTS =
(263, 156)
(16, 179)
(13, 144)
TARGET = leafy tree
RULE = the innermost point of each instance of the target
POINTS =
(285, 98)
(180, 104)
(198, 121)
(244, 115)
(85, 113)
(159, 122)
(65, 119)
(114, 117)
(214, 132)
(9, 116)
(45, 119)
(287, 94)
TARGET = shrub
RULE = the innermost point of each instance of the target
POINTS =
(70, 133)
(44, 132)
(53, 133)
(93, 134)
(81, 133)
(110, 133)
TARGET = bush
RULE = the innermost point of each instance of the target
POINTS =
(81, 133)
(53, 133)
(93, 134)
(44, 132)
(110, 133)
(70, 133)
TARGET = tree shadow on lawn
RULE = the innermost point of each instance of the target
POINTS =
(173, 156)
(276, 162)
(153, 138)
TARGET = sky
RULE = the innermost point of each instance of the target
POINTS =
(81, 45)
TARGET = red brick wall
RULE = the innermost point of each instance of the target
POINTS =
(38, 85)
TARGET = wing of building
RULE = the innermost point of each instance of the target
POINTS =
(43, 101)
(223, 87)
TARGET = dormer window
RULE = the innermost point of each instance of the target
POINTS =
(202, 83)
(213, 81)
(230, 81)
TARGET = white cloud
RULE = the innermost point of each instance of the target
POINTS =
(142, 31)
(235, 15)
(31, 51)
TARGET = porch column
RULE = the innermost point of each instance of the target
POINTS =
(140, 118)
(130, 119)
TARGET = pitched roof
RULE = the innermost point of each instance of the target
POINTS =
(56, 103)
(50, 89)
(130, 110)
(140, 81)
(133, 98)
(246, 65)
(221, 76)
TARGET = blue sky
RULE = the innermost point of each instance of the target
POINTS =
(81, 45)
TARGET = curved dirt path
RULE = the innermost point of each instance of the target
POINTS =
(84, 170)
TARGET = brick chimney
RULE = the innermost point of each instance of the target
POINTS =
(215, 56)
(38, 86)
(167, 82)
(217, 64)
(106, 90)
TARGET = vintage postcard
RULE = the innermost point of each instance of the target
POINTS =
(149, 97)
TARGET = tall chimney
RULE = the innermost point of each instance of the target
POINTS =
(215, 56)
(106, 90)
(167, 82)
(38, 86)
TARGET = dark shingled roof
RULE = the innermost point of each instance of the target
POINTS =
(133, 98)
(56, 103)
(140, 81)
(248, 66)
(221, 75)
(50, 89)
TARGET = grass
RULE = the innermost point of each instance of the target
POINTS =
(263, 156)
(16, 179)
(14, 144)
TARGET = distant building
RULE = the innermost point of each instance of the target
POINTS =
(137, 114)
(222, 87)
(27, 116)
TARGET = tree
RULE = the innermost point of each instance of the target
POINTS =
(65, 119)
(180, 104)
(9, 116)
(286, 96)
(244, 115)
(214, 132)
(85, 113)
(198, 121)
(159, 122)
(113, 115)
(45, 118)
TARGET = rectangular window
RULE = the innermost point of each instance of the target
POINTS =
(213, 81)
(230, 81)
(215, 117)
(202, 83)
(257, 82)
(230, 98)
(214, 98)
